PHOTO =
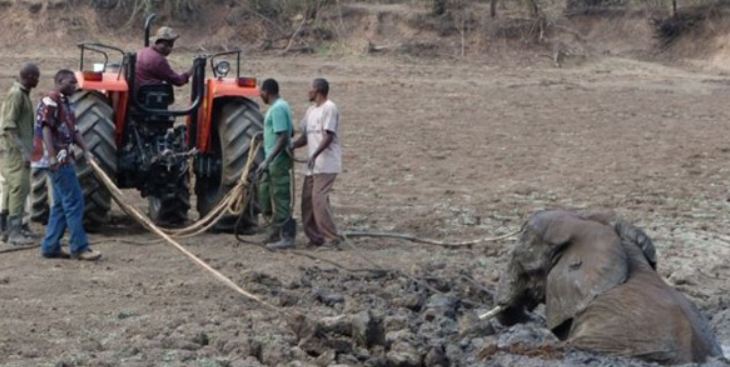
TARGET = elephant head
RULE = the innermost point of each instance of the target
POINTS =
(565, 259)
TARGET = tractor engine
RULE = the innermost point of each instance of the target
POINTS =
(153, 161)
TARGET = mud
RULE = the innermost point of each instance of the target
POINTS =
(443, 149)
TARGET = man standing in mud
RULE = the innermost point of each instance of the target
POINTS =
(321, 134)
(275, 171)
(55, 130)
(17, 139)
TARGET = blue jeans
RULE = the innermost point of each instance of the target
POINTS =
(67, 212)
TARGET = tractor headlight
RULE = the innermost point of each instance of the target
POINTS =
(222, 68)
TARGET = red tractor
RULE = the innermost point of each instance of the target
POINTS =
(133, 135)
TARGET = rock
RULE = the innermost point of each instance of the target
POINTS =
(395, 322)
(367, 329)
(526, 335)
(341, 325)
(376, 362)
(313, 346)
(246, 362)
(328, 298)
(263, 279)
(201, 338)
(436, 357)
(33, 6)
(287, 299)
(275, 352)
(395, 337)
(442, 305)
(403, 354)
(411, 301)
(346, 360)
(470, 326)
(240, 346)
(454, 352)
(326, 358)
(56, 4)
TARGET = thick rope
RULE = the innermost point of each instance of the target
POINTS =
(147, 223)
(233, 202)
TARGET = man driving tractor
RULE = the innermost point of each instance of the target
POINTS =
(152, 65)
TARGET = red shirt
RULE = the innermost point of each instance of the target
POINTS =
(55, 112)
(153, 68)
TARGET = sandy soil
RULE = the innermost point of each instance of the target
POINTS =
(445, 149)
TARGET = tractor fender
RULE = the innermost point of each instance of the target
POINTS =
(113, 87)
(216, 90)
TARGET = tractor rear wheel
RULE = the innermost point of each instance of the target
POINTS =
(95, 121)
(40, 195)
(236, 121)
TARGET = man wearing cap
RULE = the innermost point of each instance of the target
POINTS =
(152, 65)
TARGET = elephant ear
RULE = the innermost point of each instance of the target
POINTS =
(631, 234)
(593, 262)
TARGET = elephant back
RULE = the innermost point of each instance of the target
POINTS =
(590, 264)
(664, 326)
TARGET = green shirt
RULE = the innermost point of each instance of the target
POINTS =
(278, 120)
(17, 114)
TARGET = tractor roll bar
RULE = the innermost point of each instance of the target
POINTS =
(238, 61)
(147, 26)
(197, 93)
(98, 48)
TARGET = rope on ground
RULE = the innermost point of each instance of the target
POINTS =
(18, 248)
(426, 241)
(144, 221)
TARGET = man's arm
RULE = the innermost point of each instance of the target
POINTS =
(329, 136)
(301, 140)
(11, 117)
(166, 73)
(281, 141)
(48, 141)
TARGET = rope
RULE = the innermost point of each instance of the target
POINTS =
(233, 202)
(147, 223)
(407, 237)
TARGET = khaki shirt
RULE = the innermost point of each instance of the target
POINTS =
(17, 114)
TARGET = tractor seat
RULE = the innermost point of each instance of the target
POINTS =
(156, 96)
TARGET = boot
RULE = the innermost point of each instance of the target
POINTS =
(15, 232)
(25, 228)
(4, 225)
(288, 234)
(283, 244)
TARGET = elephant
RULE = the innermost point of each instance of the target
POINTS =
(596, 275)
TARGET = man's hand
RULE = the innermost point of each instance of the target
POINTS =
(310, 162)
(53, 163)
(261, 169)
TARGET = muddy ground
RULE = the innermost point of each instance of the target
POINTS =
(446, 149)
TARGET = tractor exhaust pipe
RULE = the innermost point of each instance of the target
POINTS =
(147, 26)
